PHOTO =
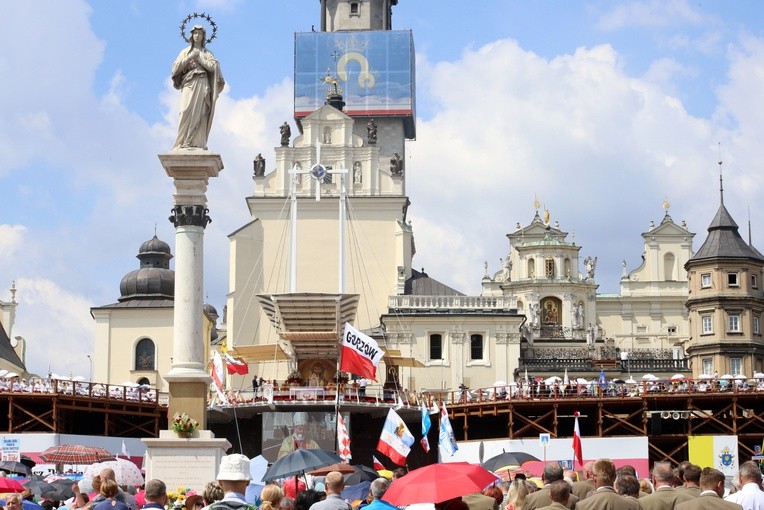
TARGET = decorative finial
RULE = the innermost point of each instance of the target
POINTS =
(536, 203)
(485, 268)
(13, 291)
(721, 182)
(666, 205)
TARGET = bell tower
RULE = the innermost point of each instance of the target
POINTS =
(344, 15)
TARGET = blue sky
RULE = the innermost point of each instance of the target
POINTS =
(601, 109)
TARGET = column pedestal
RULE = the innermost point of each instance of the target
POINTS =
(183, 462)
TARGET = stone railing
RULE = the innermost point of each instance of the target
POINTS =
(448, 303)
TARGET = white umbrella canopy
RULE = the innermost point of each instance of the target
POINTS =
(677, 377)
(727, 377)
(758, 375)
(553, 379)
(741, 376)
(581, 380)
(11, 375)
(705, 377)
(3, 372)
(125, 471)
(631, 381)
(649, 377)
(499, 384)
(79, 378)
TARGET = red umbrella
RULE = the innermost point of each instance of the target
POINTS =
(76, 454)
(8, 485)
(438, 482)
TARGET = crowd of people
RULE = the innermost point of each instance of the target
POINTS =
(55, 386)
(602, 486)
(599, 486)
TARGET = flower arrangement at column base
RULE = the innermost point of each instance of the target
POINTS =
(183, 425)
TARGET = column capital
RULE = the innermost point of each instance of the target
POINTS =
(184, 215)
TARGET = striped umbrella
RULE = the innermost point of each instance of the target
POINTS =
(76, 454)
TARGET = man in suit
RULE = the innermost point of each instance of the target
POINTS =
(540, 498)
(750, 495)
(628, 470)
(664, 497)
(691, 479)
(712, 488)
(605, 497)
(627, 486)
(559, 493)
(585, 486)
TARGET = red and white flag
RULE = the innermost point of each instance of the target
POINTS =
(236, 365)
(376, 464)
(577, 451)
(360, 354)
(343, 441)
(218, 376)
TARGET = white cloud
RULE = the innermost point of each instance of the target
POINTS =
(56, 325)
(11, 238)
(651, 13)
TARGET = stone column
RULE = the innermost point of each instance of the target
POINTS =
(188, 379)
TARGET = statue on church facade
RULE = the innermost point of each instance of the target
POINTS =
(577, 315)
(590, 263)
(396, 165)
(506, 270)
(534, 309)
(371, 133)
(286, 134)
(357, 174)
(259, 165)
(196, 73)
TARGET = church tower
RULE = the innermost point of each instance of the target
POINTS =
(341, 177)
(726, 301)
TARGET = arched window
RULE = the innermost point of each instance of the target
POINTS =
(531, 268)
(669, 267)
(145, 355)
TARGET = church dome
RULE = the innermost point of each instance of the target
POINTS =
(210, 310)
(153, 279)
(155, 245)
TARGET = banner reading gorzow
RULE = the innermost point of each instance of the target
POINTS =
(360, 353)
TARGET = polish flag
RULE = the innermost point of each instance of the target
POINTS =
(235, 365)
(360, 354)
(376, 463)
(577, 452)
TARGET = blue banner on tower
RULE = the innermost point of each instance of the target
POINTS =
(374, 71)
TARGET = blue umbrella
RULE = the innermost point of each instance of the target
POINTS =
(357, 491)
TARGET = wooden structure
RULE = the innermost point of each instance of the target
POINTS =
(667, 419)
(119, 411)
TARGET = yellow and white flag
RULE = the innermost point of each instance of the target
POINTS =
(719, 452)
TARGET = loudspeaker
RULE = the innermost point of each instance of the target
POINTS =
(685, 415)
(665, 415)
(655, 424)
(675, 415)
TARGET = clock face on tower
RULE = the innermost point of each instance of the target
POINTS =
(318, 172)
